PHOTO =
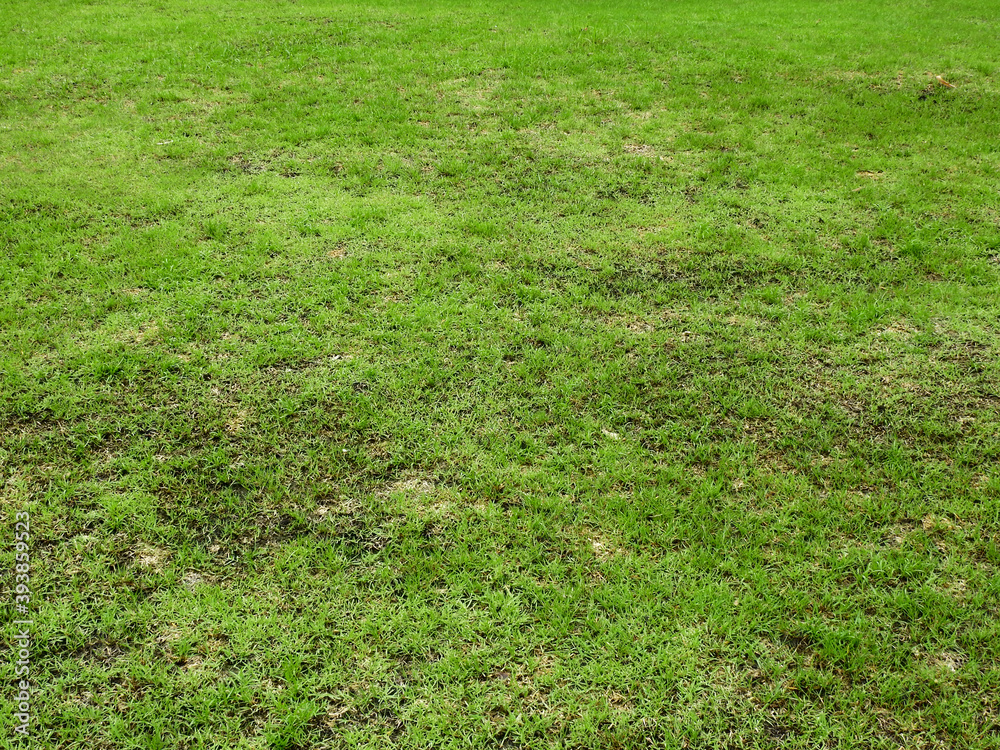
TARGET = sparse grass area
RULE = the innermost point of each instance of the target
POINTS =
(525, 375)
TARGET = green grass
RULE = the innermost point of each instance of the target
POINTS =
(525, 375)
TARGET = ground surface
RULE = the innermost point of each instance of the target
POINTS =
(526, 374)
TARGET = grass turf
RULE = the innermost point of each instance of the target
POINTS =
(540, 375)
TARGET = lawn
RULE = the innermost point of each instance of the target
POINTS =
(502, 375)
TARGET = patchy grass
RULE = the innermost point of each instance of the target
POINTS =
(422, 375)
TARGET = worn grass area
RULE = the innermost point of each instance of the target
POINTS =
(526, 375)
